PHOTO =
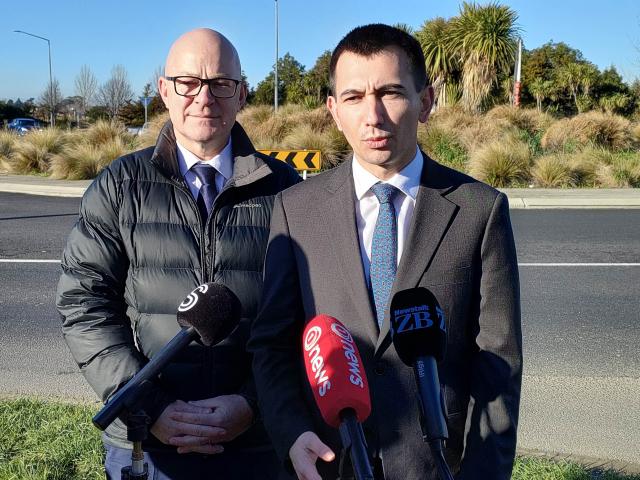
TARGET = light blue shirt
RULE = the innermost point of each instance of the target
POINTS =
(407, 181)
(223, 163)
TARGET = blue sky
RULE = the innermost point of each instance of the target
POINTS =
(137, 34)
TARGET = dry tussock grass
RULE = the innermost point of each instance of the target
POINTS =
(34, 151)
(332, 143)
(528, 119)
(150, 136)
(552, 171)
(7, 142)
(623, 172)
(585, 129)
(502, 162)
(84, 160)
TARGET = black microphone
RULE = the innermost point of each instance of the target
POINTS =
(419, 334)
(208, 314)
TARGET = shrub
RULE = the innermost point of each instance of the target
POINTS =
(329, 143)
(527, 119)
(622, 172)
(442, 145)
(501, 163)
(150, 136)
(7, 143)
(592, 128)
(34, 151)
(551, 171)
(583, 167)
(85, 161)
(105, 131)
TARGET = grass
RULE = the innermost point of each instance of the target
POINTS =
(44, 440)
(48, 441)
(506, 147)
(501, 163)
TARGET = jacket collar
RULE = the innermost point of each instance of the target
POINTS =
(247, 166)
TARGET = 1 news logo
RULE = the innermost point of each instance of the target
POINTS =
(417, 318)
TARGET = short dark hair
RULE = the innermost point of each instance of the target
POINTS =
(369, 40)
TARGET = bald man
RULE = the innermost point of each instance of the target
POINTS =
(154, 225)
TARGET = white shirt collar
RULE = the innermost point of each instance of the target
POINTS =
(223, 162)
(406, 180)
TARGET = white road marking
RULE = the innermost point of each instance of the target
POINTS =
(27, 260)
(579, 264)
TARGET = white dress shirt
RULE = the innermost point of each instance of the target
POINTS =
(367, 205)
(223, 163)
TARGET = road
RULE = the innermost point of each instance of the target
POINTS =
(580, 321)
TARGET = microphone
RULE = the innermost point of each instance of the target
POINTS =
(340, 388)
(208, 314)
(419, 334)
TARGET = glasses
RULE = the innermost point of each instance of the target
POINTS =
(191, 86)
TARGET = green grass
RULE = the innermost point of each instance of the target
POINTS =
(48, 441)
(42, 440)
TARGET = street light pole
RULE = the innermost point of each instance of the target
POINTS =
(52, 120)
(275, 87)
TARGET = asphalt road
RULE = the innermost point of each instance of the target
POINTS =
(580, 323)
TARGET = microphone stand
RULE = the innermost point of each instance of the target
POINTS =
(354, 445)
(137, 432)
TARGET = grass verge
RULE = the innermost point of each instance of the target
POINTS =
(43, 440)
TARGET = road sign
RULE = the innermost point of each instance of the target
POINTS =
(146, 100)
(307, 160)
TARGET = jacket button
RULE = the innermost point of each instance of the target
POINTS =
(379, 368)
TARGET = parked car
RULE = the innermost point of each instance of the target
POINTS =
(23, 125)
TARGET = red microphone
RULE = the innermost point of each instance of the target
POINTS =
(340, 388)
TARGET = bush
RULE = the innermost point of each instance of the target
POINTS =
(622, 172)
(527, 119)
(84, 161)
(552, 171)
(442, 145)
(589, 129)
(150, 136)
(501, 163)
(7, 143)
(34, 151)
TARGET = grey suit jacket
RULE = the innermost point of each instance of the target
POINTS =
(460, 246)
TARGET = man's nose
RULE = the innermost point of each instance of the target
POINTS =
(375, 110)
(204, 95)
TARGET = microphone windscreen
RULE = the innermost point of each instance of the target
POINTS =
(335, 370)
(213, 310)
(418, 325)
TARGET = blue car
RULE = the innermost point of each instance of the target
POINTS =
(23, 125)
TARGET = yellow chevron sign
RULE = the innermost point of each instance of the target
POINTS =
(299, 159)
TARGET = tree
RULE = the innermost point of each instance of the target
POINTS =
(290, 89)
(116, 92)
(440, 60)
(316, 81)
(541, 89)
(484, 37)
(50, 99)
(86, 86)
(577, 78)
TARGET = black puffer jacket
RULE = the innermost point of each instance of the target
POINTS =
(139, 247)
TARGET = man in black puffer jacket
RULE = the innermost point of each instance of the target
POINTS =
(145, 238)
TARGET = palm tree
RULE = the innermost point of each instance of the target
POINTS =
(575, 76)
(541, 89)
(439, 59)
(484, 38)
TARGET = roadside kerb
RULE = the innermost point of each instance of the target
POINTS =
(519, 198)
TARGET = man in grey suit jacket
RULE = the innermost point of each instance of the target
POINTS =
(452, 234)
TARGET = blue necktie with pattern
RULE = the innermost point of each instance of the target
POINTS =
(208, 191)
(384, 249)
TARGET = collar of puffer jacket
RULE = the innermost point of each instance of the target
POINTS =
(248, 166)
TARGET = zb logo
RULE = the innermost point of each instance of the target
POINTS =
(417, 318)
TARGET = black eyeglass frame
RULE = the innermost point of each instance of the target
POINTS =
(208, 81)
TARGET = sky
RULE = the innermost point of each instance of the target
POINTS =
(138, 34)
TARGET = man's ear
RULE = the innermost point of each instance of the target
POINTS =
(426, 103)
(332, 105)
(242, 96)
(162, 89)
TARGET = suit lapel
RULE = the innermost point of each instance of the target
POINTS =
(431, 218)
(342, 221)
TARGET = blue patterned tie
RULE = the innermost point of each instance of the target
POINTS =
(384, 249)
(208, 191)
